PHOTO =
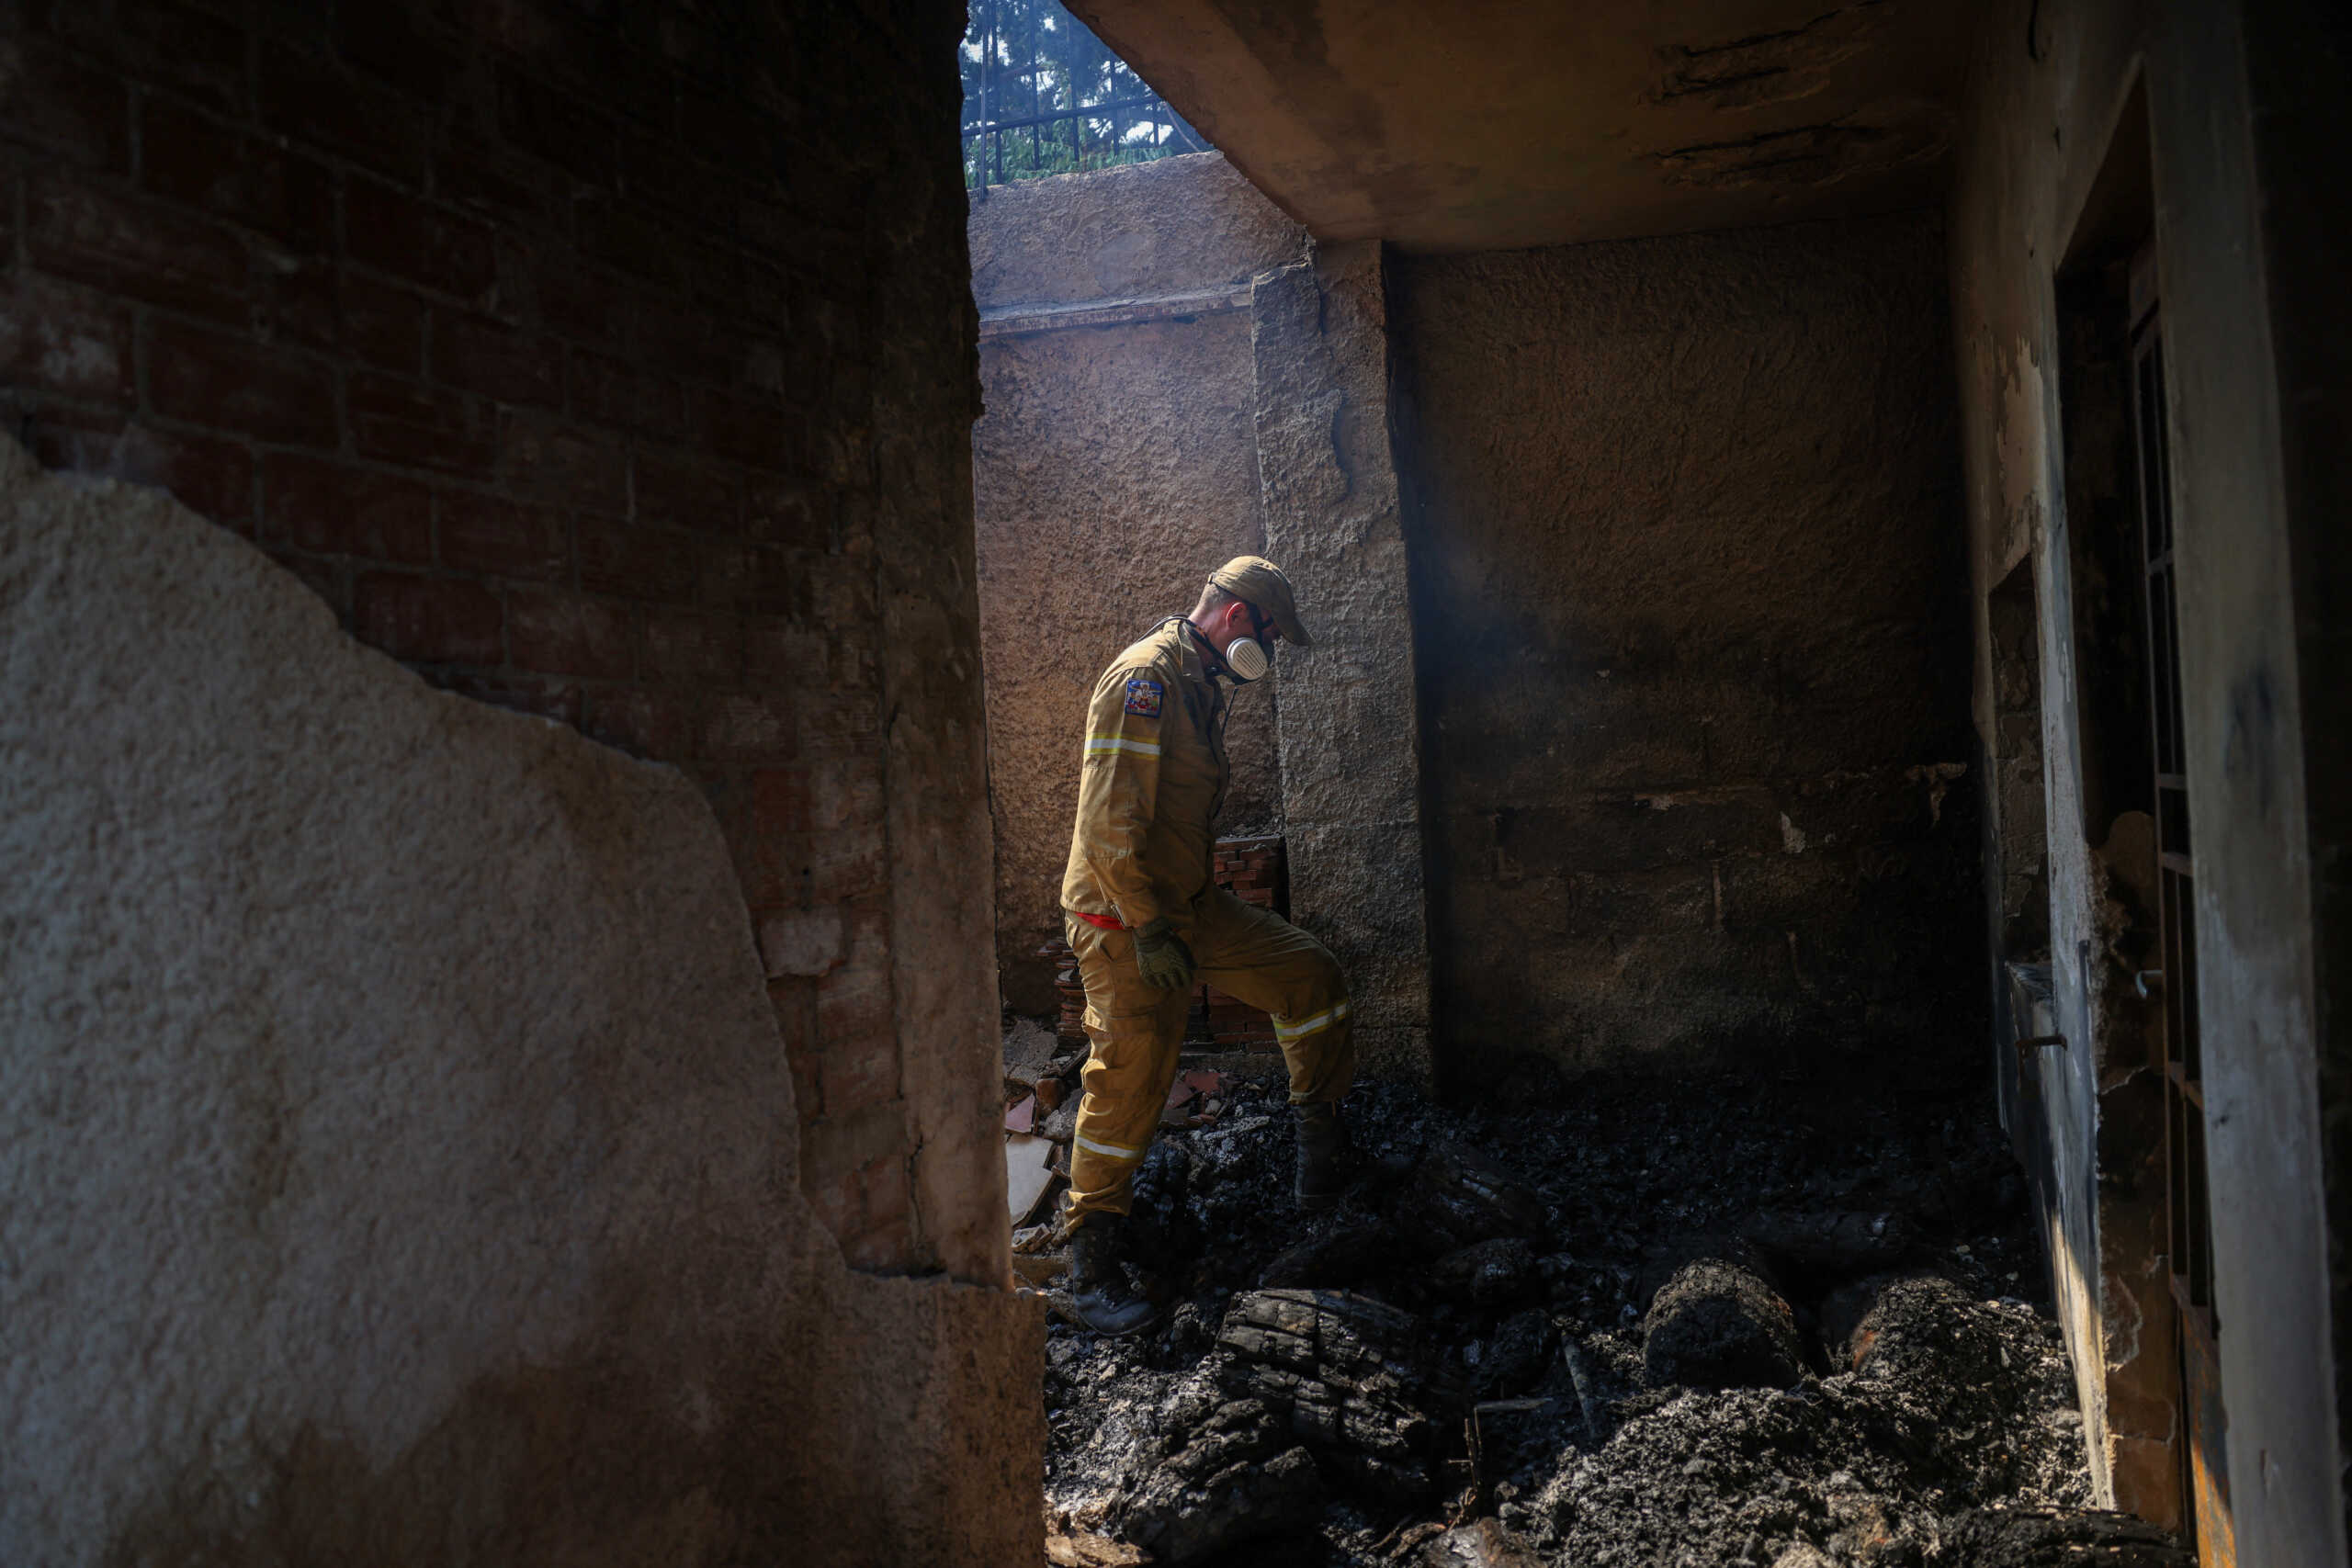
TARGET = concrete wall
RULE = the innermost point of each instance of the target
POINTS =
(1115, 466)
(2229, 105)
(400, 1148)
(1693, 648)
(1350, 715)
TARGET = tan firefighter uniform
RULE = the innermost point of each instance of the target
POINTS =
(1153, 778)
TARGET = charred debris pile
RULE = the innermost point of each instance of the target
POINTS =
(1768, 1323)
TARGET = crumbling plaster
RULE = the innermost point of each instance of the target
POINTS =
(1114, 467)
(400, 1152)
(1691, 638)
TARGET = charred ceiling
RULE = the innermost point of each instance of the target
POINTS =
(1490, 125)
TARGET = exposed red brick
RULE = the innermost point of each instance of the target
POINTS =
(511, 188)
(747, 726)
(657, 170)
(608, 68)
(297, 304)
(435, 620)
(655, 722)
(65, 341)
(548, 458)
(395, 233)
(382, 41)
(843, 865)
(833, 725)
(677, 338)
(685, 493)
(781, 651)
(632, 238)
(230, 382)
(728, 574)
(317, 103)
(382, 325)
(731, 133)
(752, 431)
(583, 303)
(554, 125)
(561, 634)
(549, 698)
(208, 474)
(826, 799)
(680, 644)
(55, 101)
(612, 392)
(174, 45)
(134, 248)
(714, 273)
(475, 353)
(328, 507)
(484, 533)
(327, 579)
(636, 562)
(770, 295)
(780, 511)
(406, 422)
(192, 158)
(858, 1055)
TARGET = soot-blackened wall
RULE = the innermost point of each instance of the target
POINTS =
(1690, 611)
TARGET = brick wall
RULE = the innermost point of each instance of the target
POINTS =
(544, 342)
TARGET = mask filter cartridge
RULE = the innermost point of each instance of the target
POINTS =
(1246, 657)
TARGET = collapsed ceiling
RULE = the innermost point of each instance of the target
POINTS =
(1460, 125)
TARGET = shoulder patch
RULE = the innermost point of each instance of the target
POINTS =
(1144, 697)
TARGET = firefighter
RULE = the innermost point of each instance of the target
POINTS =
(1148, 922)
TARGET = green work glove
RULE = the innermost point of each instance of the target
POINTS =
(1160, 954)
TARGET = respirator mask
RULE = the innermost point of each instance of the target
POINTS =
(1245, 658)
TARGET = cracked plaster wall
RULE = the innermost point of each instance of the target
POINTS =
(402, 1155)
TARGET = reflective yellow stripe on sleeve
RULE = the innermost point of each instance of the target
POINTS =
(1105, 743)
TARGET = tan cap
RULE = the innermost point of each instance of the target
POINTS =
(1261, 582)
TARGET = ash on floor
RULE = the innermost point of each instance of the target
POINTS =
(1768, 1324)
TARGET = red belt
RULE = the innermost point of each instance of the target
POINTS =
(1103, 922)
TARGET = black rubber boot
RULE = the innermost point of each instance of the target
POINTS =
(1098, 1285)
(1322, 1157)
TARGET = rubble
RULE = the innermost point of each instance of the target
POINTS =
(1643, 1323)
(1716, 1326)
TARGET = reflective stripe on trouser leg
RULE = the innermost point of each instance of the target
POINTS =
(1320, 1048)
(1136, 1032)
(1257, 956)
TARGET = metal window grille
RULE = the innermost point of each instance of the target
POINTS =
(1044, 95)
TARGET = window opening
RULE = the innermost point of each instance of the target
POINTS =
(1044, 95)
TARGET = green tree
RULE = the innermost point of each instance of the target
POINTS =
(1044, 95)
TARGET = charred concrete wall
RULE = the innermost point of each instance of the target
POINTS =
(1114, 468)
(2209, 132)
(1685, 544)
(399, 1147)
(607, 363)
